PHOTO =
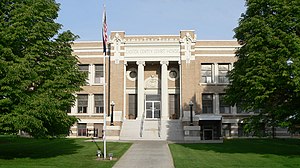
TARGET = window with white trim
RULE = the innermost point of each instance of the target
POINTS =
(98, 103)
(82, 103)
(84, 68)
(223, 106)
(81, 129)
(206, 73)
(207, 103)
(223, 73)
(98, 78)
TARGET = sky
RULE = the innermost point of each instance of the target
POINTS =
(211, 19)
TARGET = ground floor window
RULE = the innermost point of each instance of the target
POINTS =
(81, 129)
(82, 103)
(98, 130)
(241, 132)
(174, 112)
(98, 101)
(207, 103)
(223, 106)
(226, 130)
(132, 111)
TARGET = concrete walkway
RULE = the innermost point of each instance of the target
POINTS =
(147, 154)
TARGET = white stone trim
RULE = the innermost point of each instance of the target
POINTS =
(173, 69)
(128, 74)
(164, 90)
(141, 89)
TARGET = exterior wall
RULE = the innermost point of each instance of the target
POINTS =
(182, 52)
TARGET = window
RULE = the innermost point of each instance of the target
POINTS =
(206, 73)
(223, 73)
(226, 130)
(85, 69)
(174, 106)
(69, 109)
(98, 74)
(132, 74)
(132, 106)
(98, 102)
(173, 74)
(224, 108)
(207, 103)
(81, 129)
(82, 103)
(239, 109)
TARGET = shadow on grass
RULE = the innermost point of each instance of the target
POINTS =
(283, 147)
(16, 147)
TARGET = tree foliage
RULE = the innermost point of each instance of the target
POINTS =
(269, 32)
(38, 74)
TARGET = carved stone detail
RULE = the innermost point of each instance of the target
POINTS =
(152, 83)
(117, 42)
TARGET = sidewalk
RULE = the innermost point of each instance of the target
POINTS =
(147, 154)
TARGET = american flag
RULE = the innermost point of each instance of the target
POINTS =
(104, 31)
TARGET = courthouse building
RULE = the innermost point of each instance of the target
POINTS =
(155, 83)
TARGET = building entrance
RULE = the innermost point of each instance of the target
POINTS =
(152, 105)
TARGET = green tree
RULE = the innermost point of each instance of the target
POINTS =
(38, 74)
(261, 79)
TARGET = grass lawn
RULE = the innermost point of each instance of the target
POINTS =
(25, 152)
(238, 153)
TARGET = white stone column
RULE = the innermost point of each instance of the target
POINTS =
(164, 90)
(217, 104)
(90, 109)
(213, 75)
(216, 72)
(141, 89)
(124, 94)
(180, 90)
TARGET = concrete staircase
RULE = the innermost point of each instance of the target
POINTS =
(138, 130)
(152, 130)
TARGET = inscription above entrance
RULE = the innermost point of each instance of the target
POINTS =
(153, 51)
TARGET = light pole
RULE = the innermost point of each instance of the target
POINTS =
(112, 104)
(191, 113)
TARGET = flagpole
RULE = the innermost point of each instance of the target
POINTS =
(105, 39)
(104, 106)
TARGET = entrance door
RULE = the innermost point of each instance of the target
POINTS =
(152, 109)
(208, 134)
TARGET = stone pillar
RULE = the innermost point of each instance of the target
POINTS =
(141, 89)
(216, 104)
(164, 90)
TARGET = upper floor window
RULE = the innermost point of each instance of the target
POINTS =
(240, 110)
(84, 68)
(206, 73)
(224, 107)
(98, 74)
(98, 101)
(207, 103)
(223, 73)
(82, 103)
